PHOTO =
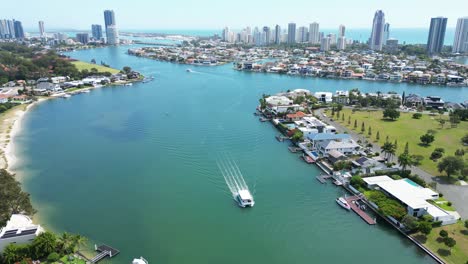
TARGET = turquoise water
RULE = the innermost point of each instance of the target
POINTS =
(412, 182)
(136, 168)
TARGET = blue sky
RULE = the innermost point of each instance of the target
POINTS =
(213, 14)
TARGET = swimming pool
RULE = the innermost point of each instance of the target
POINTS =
(412, 183)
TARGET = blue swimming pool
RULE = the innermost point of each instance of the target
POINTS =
(412, 183)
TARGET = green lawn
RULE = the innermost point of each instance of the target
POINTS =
(407, 129)
(81, 65)
(459, 253)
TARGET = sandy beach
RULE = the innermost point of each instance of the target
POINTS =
(10, 125)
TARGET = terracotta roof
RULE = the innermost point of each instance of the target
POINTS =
(296, 115)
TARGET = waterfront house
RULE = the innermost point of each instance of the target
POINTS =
(367, 165)
(413, 100)
(18, 230)
(278, 100)
(4, 98)
(324, 97)
(323, 143)
(295, 117)
(434, 101)
(341, 97)
(413, 196)
(454, 79)
(335, 156)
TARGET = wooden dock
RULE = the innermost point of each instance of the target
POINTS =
(104, 251)
(322, 178)
(294, 149)
(351, 201)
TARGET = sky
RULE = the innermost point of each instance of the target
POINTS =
(214, 14)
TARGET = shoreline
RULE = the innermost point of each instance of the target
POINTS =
(12, 121)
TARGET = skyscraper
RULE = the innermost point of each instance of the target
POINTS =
(109, 22)
(18, 27)
(266, 35)
(314, 33)
(386, 34)
(325, 44)
(332, 38)
(435, 41)
(302, 35)
(460, 42)
(11, 28)
(82, 38)
(377, 35)
(112, 35)
(225, 34)
(341, 31)
(41, 29)
(291, 33)
(277, 34)
(341, 45)
(3, 28)
(96, 31)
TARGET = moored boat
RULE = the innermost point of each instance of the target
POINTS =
(343, 203)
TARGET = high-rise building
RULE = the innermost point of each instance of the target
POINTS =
(266, 35)
(83, 38)
(386, 34)
(325, 44)
(41, 29)
(435, 41)
(302, 35)
(314, 33)
(291, 33)
(460, 42)
(3, 29)
(19, 32)
(225, 34)
(96, 31)
(341, 45)
(112, 33)
(277, 34)
(341, 31)
(377, 35)
(391, 45)
(332, 38)
(11, 29)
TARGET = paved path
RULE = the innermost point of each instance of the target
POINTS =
(458, 195)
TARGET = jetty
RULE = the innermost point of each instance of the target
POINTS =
(352, 202)
(104, 251)
(281, 138)
(294, 149)
(322, 178)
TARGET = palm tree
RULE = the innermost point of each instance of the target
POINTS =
(389, 149)
(10, 254)
(66, 242)
(79, 241)
(405, 160)
(44, 244)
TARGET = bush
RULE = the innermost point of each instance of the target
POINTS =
(436, 155)
(443, 233)
(449, 203)
(53, 257)
(417, 115)
(441, 150)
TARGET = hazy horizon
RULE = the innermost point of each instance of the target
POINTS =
(204, 15)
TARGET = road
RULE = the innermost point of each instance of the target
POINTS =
(458, 195)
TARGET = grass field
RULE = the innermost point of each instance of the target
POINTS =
(407, 129)
(81, 65)
(459, 254)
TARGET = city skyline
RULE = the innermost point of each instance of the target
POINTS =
(351, 14)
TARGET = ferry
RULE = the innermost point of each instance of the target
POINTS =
(244, 198)
(343, 203)
(140, 260)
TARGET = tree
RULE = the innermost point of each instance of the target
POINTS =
(355, 126)
(443, 233)
(406, 151)
(410, 222)
(53, 257)
(465, 139)
(435, 155)
(417, 159)
(363, 128)
(442, 123)
(405, 160)
(450, 165)
(425, 227)
(377, 137)
(396, 144)
(127, 69)
(369, 131)
(391, 113)
(389, 149)
(427, 139)
(13, 199)
(342, 117)
(466, 224)
(450, 242)
(44, 244)
(460, 152)
(417, 115)
(297, 136)
(349, 120)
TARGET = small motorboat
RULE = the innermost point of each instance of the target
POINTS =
(244, 198)
(189, 70)
(128, 84)
(140, 260)
(343, 203)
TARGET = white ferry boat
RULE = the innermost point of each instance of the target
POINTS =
(343, 203)
(244, 198)
(140, 260)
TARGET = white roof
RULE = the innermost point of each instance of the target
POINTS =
(245, 195)
(376, 179)
(18, 221)
(413, 196)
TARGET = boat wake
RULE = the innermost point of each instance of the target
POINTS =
(232, 175)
